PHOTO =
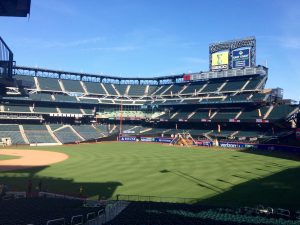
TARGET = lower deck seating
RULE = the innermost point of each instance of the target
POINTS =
(38, 134)
(88, 132)
(11, 131)
(65, 135)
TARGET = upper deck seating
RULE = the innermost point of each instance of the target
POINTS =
(26, 81)
(121, 88)
(252, 85)
(109, 88)
(174, 90)
(253, 114)
(64, 98)
(212, 86)
(49, 84)
(41, 97)
(94, 88)
(193, 88)
(16, 108)
(137, 90)
(72, 86)
(233, 85)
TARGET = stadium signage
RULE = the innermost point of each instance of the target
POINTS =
(219, 60)
(234, 121)
(262, 121)
(241, 58)
(127, 138)
(235, 145)
(204, 143)
(163, 140)
(147, 139)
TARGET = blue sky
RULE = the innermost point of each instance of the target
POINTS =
(142, 38)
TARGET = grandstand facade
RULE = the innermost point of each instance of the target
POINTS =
(43, 106)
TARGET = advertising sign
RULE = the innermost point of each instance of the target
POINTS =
(147, 139)
(127, 138)
(235, 145)
(241, 58)
(219, 60)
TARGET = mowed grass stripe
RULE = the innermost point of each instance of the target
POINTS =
(108, 169)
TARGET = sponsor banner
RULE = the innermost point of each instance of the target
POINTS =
(219, 60)
(204, 143)
(186, 77)
(241, 58)
(205, 120)
(127, 138)
(128, 131)
(147, 139)
(163, 140)
(236, 145)
(298, 133)
(234, 120)
(262, 121)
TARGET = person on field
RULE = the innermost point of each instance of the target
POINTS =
(81, 191)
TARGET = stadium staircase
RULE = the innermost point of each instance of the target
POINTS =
(37, 84)
(116, 90)
(221, 87)
(245, 85)
(146, 130)
(61, 85)
(268, 112)
(76, 133)
(103, 87)
(53, 135)
(84, 88)
(23, 134)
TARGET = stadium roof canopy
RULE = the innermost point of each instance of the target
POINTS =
(18, 8)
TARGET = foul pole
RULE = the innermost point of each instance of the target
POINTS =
(121, 119)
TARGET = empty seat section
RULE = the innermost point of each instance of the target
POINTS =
(257, 97)
(137, 90)
(49, 84)
(11, 131)
(222, 133)
(174, 90)
(212, 87)
(106, 101)
(70, 110)
(37, 134)
(280, 112)
(16, 108)
(72, 86)
(253, 114)
(26, 81)
(45, 109)
(110, 89)
(88, 110)
(253, 83)
(248, 133)
(238, 97)
(160, 91)
(89, 100)
(225, 114)
(152, 89)
(191, 89)
(88, 132)
(121, 88)
(65, 135)
(234, 85)
(64, 98)
(41, 97)
(201, 114)
(94, 88)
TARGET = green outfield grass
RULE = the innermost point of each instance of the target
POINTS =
(220, 177)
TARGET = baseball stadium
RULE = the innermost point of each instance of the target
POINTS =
(210, 147)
